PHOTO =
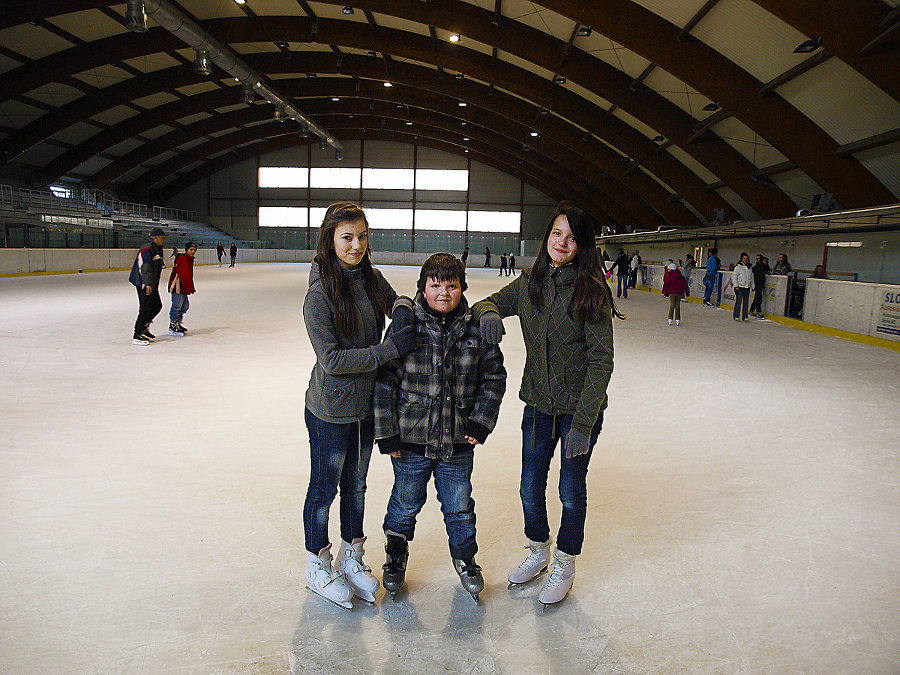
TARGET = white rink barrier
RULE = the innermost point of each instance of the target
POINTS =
(869, 309)
(68, 260)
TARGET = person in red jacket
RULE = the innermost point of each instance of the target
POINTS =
(181, 285)
(674, 287)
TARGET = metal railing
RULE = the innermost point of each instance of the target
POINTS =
(88, 202)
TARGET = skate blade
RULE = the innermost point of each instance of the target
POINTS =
(514, 584)
(347, 604)
(475, 598)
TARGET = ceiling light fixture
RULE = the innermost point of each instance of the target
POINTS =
(808, 46)
(534, 134)
(347, 10)
(323, 144)
(388, 84)
(246, 94)
(241, 2)
(584, 31)
(659, 139)
(371, 53)
(335, 99)
(280, 114)
(202, 65)
(462, 104)
(559, 79)
(339, 155)
(454, 37)
(304, 130)
(135, 16)
(409, 124)
(711, 107)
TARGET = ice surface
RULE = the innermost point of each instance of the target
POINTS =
(743, 506)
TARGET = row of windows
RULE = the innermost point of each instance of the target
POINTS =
(370, 179)
(399, 219)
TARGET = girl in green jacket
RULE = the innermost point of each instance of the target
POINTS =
(565, 308)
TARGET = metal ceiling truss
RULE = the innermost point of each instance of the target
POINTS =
(627, 177)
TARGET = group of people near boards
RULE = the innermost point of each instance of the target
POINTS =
(427, 390)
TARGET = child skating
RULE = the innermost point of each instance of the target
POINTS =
(432, 407)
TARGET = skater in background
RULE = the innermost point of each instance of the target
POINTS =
(344, 312)
(565, 309)
(636, 262)
(181, 285)
(502, 264)
(220, 251)
(412, 404)
(511, 265)
(621, 265)
(465, 256)
(686, 270)
(487, 257)
(709, 279)
(145, 273)
(760, 270)
(742, 283)
(233, 252)
(782, 266)
(675, 286)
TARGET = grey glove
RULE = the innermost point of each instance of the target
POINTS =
(404, 340)
(576, 443)
(491, 327)
(402, 315)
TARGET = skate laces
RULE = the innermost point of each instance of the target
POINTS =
(532, 557)
(556, 574)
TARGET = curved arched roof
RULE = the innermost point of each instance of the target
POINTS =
(616, 91)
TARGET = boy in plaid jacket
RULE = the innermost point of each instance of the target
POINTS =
(432, 407)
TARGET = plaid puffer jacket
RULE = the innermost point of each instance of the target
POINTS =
(568, 362)
(433, 395)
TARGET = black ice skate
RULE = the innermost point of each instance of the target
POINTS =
(397, 550)
(470, 576)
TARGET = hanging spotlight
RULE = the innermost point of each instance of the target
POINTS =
(323, 143)
(304, 129)
(280, 114)
(246, 94)
(339, 155)
(135, 16)
(202, 64)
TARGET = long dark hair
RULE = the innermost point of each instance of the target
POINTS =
(337, 288)
(591, 300)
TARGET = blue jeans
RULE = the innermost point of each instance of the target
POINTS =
(621, 288)
(540, 434)
(709, 281)
(741, 300)
(180, 306)
(339, 456)
(453, 481)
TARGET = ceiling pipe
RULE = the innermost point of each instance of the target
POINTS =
(168, 15)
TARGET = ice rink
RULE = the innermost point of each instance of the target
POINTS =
(744, 499)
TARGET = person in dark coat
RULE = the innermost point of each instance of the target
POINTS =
(145, 273)
(760, 270)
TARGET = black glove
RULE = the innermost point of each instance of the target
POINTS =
(404, 340)
(491, 327)
(576, 443)
(402, 315)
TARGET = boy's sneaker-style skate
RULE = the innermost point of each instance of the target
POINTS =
(356, 574)
(396, 549)
(558, 584)
(323, 580)
(470, 576)
(535, 563)
(173, 330)
(181, 327)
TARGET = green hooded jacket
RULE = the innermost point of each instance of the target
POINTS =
(568, 362)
